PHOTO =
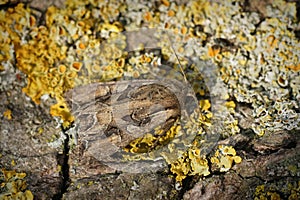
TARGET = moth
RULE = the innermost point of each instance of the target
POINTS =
(120, 112)
(118, 118)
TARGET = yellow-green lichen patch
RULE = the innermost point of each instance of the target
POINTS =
(195, 161)
(12, 185)
(191, 163)
(38, 60)
(94, 46)
(150, 141)
(199, 118)
(37, 54)
(61, 110)
(7, 114)
(15, 23)
(224, 158)
(46, 55)
(243, 55)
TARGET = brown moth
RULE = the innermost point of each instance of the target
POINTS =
(119, 112)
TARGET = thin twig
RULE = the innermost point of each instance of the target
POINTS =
(180, 66)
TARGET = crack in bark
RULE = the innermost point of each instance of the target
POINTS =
(63, 160)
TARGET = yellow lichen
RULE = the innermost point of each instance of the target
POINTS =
(224, 158)
(151, 141)
(230, 105)
(51, 70)
(258, 191)
(13, 186)
(165, 2)
(13, 163)
(198, 163)
(61, 110)
(37, 59)
(148, 16)
(204, 105)
(191, 163)
(10, 37)
(7, 114)
(171, 13)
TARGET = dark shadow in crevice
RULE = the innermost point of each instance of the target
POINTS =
(62, 160)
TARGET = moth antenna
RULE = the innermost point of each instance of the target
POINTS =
(180, 66)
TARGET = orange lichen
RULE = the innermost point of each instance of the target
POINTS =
(62, 69)
(77, 66)
(272, 41)
(148, 16)
(213, 51)
(145, 59)
(295, 68)
(32, 21)
(165, 2)
(171, 13)
(184, 30)
(81, 46)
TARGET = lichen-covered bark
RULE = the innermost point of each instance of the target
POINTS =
(277, 171)
(24, 137)
(254, 44)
